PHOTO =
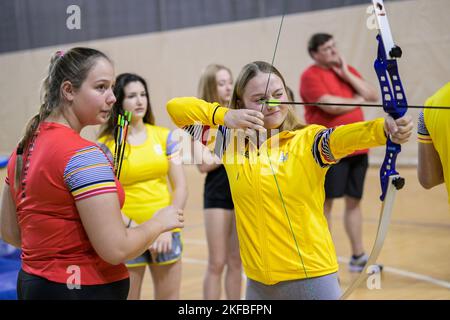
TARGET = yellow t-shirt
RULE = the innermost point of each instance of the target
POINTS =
(278, 191)
(144, 173)
(437, 129)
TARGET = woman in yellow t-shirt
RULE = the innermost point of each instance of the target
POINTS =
(151, 158)
(277, 177)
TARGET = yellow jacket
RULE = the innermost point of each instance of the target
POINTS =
(278, 191)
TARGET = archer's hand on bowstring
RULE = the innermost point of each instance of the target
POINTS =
(399, 130)
(244, 119)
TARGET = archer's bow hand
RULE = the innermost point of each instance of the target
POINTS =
(398, 130)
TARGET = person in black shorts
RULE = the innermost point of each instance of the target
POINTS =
(216, 85)
(346, 178)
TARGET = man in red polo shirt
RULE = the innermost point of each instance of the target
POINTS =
(331, 80)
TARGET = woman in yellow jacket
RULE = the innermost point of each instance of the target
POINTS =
(277, 182)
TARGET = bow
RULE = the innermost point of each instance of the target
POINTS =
(395, 104)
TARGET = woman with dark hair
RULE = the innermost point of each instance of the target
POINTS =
(61, 201)
(150, 157)
(277, 178)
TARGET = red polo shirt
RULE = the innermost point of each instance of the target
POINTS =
(316, 82)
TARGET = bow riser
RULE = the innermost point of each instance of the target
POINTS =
(395, 104)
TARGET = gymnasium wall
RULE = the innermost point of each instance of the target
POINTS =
(171, 54)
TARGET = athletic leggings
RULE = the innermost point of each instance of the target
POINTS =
(31, 287)
(319, 288)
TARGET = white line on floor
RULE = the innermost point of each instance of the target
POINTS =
(408, 274)
(400, 272)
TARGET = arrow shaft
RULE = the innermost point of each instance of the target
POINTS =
(366, 105)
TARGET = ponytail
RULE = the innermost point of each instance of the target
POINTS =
(72, 66)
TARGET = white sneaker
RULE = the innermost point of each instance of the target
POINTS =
(357, 265)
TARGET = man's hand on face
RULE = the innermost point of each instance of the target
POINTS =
(341, 69)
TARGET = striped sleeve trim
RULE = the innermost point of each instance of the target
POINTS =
(423, 136)
(197, 132)
(424, 139)
(7, 180)
(421, 127)
(222, 141)
(89, 173)
(321, 148)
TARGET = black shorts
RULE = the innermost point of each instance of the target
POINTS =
(217, 192)
(347, 177)
(31, 287)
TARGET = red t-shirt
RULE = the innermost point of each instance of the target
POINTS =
(60, 168)
(316, 82)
